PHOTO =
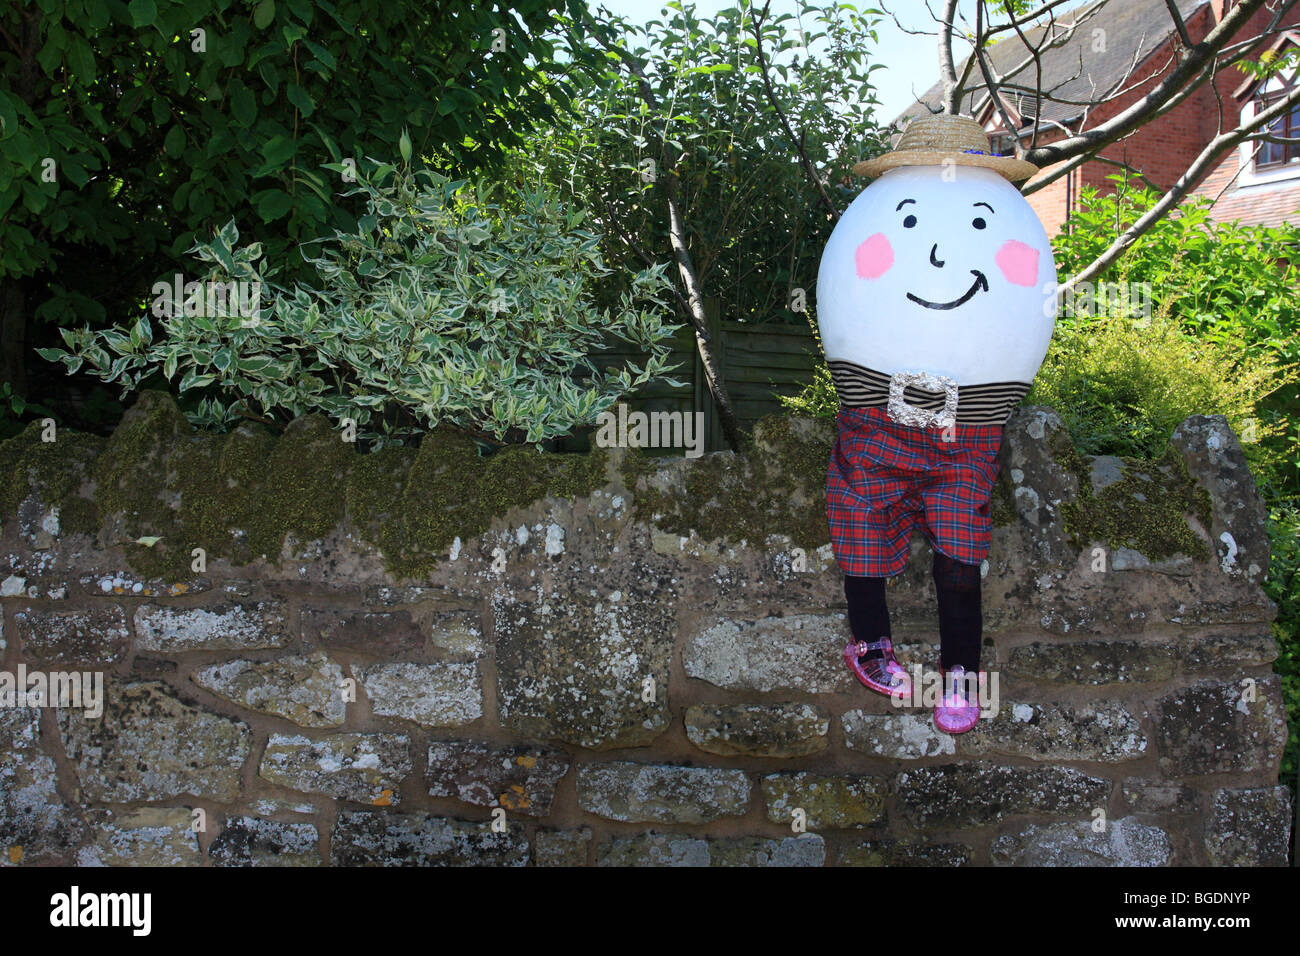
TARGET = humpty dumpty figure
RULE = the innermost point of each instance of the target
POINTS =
(936, 301)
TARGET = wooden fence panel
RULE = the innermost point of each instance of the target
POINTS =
(758, 363)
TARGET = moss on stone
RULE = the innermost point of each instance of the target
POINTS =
(135, 479)
(1147, 514)
(239, 495)
(54, 471)
(450, 491)
(131, 475)
(1003, 502)
(775, 485)
(78, 515)
(374, 488)
(303, 489)
(1066, 455)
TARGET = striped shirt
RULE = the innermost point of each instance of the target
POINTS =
(988, 404)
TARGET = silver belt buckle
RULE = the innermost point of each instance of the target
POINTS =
(906, 414)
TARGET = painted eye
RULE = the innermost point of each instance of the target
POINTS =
(909, 222)
(978, 222)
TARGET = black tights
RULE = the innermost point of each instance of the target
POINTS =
(961, 616)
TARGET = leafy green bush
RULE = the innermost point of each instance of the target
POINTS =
(1225, 283)
(1232, 288)
(1283, 587)
(129, 130)
(755, 221)
(442, 306)
(818, 398)
(1121, 386)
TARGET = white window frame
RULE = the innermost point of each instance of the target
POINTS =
(1250, 175)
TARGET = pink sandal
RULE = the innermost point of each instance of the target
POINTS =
(882, 674)
(956, 712)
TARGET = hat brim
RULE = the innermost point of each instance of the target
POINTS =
(1008, 166)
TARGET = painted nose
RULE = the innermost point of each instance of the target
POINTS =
(934, 261)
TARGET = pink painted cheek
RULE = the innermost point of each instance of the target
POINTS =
(874, 257)
(1018, 262)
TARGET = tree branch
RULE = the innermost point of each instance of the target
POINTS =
(989, 82)
(1189, 71)
(681, 252)
(1083, 157)
(1178, 23)
(947, 71)
(1197, 171)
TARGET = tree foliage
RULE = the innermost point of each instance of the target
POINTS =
(754, 221)
(442, 306)
(130, 129)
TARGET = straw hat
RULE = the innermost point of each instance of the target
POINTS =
(931, 140)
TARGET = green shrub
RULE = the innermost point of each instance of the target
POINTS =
(442, 306)
(1122, 386)
(1283, 586)
(755, 220)
(1230, 283)
(818, 398)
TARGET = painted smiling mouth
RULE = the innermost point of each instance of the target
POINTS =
(979, 283)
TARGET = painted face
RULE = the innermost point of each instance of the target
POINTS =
(953, 277)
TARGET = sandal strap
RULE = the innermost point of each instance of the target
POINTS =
(884, 644)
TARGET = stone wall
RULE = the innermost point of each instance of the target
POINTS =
(424, 656)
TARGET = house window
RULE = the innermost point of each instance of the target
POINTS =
(1274, 155)
(1004, 144)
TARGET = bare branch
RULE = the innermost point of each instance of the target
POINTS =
(1280, 140)
(1035, 53)
(898, 23)
(1178, 23)
(1031, 15)
(1228, 185)
(1077, 161)
(1274, 28)
(990, 83)
(947, 71)
(1197, 171)
(1189, 72)
(1056, 40)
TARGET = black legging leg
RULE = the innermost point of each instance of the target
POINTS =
(961, 617)
(868, 612)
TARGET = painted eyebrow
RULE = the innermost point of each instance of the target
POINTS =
(904, 203)
(984, 204)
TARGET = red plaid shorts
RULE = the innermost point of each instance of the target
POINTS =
(885, 478)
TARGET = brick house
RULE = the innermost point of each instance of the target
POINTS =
(1124, 48)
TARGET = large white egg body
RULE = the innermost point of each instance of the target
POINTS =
(939, 269)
